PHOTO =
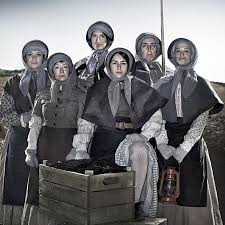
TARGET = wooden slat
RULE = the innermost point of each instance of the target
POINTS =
(111, 214)
(12, 215)
(17, 214)
(112, 197)
(2, 173)
(111, 181)
(62, 177)
(64, 194)
(147, 221)
(80, 216)
(80, 198)
(43, 218)
(48, 219)
(80, 181)
(7, 214)
(63, 210)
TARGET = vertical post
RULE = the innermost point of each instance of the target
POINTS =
(162, 38)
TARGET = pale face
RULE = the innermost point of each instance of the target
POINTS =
(98, 40)
(118, 66)
(148, 49)
(61, 71)
(34, 59)
(183, 53)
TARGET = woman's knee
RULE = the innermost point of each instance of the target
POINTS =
(138, 151)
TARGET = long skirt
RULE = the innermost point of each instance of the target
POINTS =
(181, 215)
(53, 145)
(13, 189)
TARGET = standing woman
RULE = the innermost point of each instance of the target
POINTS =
(53, 123)
(99, 37)
(181, 144)
(148, 49)
(15, 110)
(116, 106)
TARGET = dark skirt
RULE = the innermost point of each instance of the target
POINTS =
(193, 170)
(16, 169)
(53, 145)
(106, 141)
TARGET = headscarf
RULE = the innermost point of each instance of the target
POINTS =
(139, 42)
(197, 94)
(57, 57)
(102, 27)
(65, 87)
(39, 75)
(116, 83)
(153, 67)
(183, 73)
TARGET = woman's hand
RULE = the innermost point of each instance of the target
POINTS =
(77, 154)
(31, 158)
(166, 150)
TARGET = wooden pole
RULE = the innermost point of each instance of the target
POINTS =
(162, 38)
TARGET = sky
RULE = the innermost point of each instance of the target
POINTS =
(62, 25)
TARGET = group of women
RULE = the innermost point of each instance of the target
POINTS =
(110, 106)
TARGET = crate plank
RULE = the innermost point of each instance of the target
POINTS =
(81, 216)
(80, 198)
(63, 210)
(86, 199)
(111, 214)
(67, 178)
(63, 193)
(111, 181)
(147, 221)
(112, 197)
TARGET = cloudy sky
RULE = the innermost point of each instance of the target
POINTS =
(62, 26)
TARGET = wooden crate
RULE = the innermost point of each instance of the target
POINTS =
(86, 199)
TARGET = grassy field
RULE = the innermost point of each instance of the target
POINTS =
(2, 82)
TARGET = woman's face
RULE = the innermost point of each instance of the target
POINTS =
(34, 59)
(61, 71)
(98, 40)
(183, 53)
(118, 66)
(148, 49)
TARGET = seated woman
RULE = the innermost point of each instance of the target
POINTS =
(54, 119)
(118, 105)
(16, 105)
(99, 37)
(181, 144)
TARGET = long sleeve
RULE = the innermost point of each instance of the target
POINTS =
(192, 136)
(84, 134)
(162, 137)
(8, 112)
(37, 110)
(35, 125)
(152, 127)
(195, 131)
(162, 143)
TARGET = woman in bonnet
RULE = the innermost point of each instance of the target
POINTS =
(15, 110)
(53, 123)
(148, 50)
(181, 145)
(116, 108)
(99, 37)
